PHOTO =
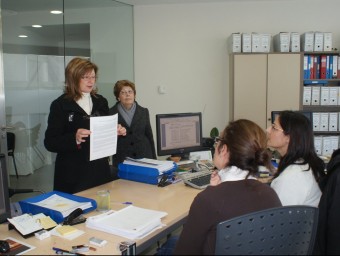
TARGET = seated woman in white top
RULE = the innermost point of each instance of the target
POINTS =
(299, 169)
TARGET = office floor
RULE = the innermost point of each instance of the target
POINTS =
(42, 180)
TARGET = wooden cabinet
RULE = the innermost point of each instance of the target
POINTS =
(264, 82)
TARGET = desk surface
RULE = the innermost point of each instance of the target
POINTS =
(174, 199)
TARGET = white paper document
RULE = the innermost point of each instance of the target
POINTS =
(103, 139)
(131, 222)
(27, 224)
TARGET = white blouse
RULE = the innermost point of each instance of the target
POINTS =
(233, 173)
(295, 186)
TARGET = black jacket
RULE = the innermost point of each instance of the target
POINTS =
(138, 142)
(328, 235)
(73, 170)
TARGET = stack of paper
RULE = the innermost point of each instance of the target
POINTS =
(131, 222)
(161, 166)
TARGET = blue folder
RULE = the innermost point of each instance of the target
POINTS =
(27, 205)
(143, 174)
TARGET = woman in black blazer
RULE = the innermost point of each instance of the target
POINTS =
(68, 131)
(138, 142)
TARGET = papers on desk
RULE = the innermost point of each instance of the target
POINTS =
(27, 224)
(161, 166)
(131, 222)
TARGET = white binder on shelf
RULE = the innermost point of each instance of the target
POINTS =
(324, 96)
(281, 42)
(234, 42)
(324, 119)
(316, 95)
(295, 42)
(318, 41)
(327, 41)
(326, 146)
(266, 40)
(333, 122)
(334, 143)
(307, 95)
(335, 66)
(307, 41)
(333, 95)
(246, 42)
(316, 121)
(256, 42)
(318, 144)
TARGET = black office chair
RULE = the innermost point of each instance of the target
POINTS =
(283, 230)
(11, 148)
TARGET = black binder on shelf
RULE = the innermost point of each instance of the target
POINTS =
(29, 206)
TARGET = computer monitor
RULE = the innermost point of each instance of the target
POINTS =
(178, 134)
(5, 209)
(308, 114)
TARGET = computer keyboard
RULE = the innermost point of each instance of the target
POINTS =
(199, 179)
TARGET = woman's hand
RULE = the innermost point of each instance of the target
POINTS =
(215, 179)
(121, 130)
(81, 134)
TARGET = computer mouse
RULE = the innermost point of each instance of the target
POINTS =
(4, 246)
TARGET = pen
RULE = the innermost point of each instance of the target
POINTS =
(62, 251)
(127, 203)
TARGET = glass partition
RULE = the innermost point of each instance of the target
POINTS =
(36, 47)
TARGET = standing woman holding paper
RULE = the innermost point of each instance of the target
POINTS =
(68, 131)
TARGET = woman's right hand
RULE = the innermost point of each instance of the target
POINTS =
(215, 179)
(81, 135)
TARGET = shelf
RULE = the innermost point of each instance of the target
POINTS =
(322, 53)
(321, 108)
(326, 133)
(320, 81)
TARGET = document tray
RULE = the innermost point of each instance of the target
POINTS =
(29, 206)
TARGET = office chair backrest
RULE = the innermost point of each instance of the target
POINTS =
(283, 230)
(10, 141)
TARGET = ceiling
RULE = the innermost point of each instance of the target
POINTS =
(147, 2)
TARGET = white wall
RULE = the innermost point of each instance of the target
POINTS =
(183, 47)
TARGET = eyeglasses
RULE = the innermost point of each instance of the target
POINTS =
(88, 78)
(126, 92)
(276, 128)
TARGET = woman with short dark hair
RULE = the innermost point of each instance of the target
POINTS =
(138, 142)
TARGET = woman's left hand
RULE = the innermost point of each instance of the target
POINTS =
(215, 179)
(121, 130)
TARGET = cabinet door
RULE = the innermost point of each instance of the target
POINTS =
(284, 83)
(249, 80)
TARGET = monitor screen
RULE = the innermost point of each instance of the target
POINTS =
(308, 114)
(178, 134)
(5, 209)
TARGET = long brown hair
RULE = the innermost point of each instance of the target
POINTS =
(247, 146)
(74, 71)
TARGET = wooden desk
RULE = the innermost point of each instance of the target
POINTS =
(174, 199)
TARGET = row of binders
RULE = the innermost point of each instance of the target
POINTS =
(321, 67)
(326, 121)
(321, 96)
(325, 145)
(281, 42)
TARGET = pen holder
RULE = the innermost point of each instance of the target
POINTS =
(103, 200)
